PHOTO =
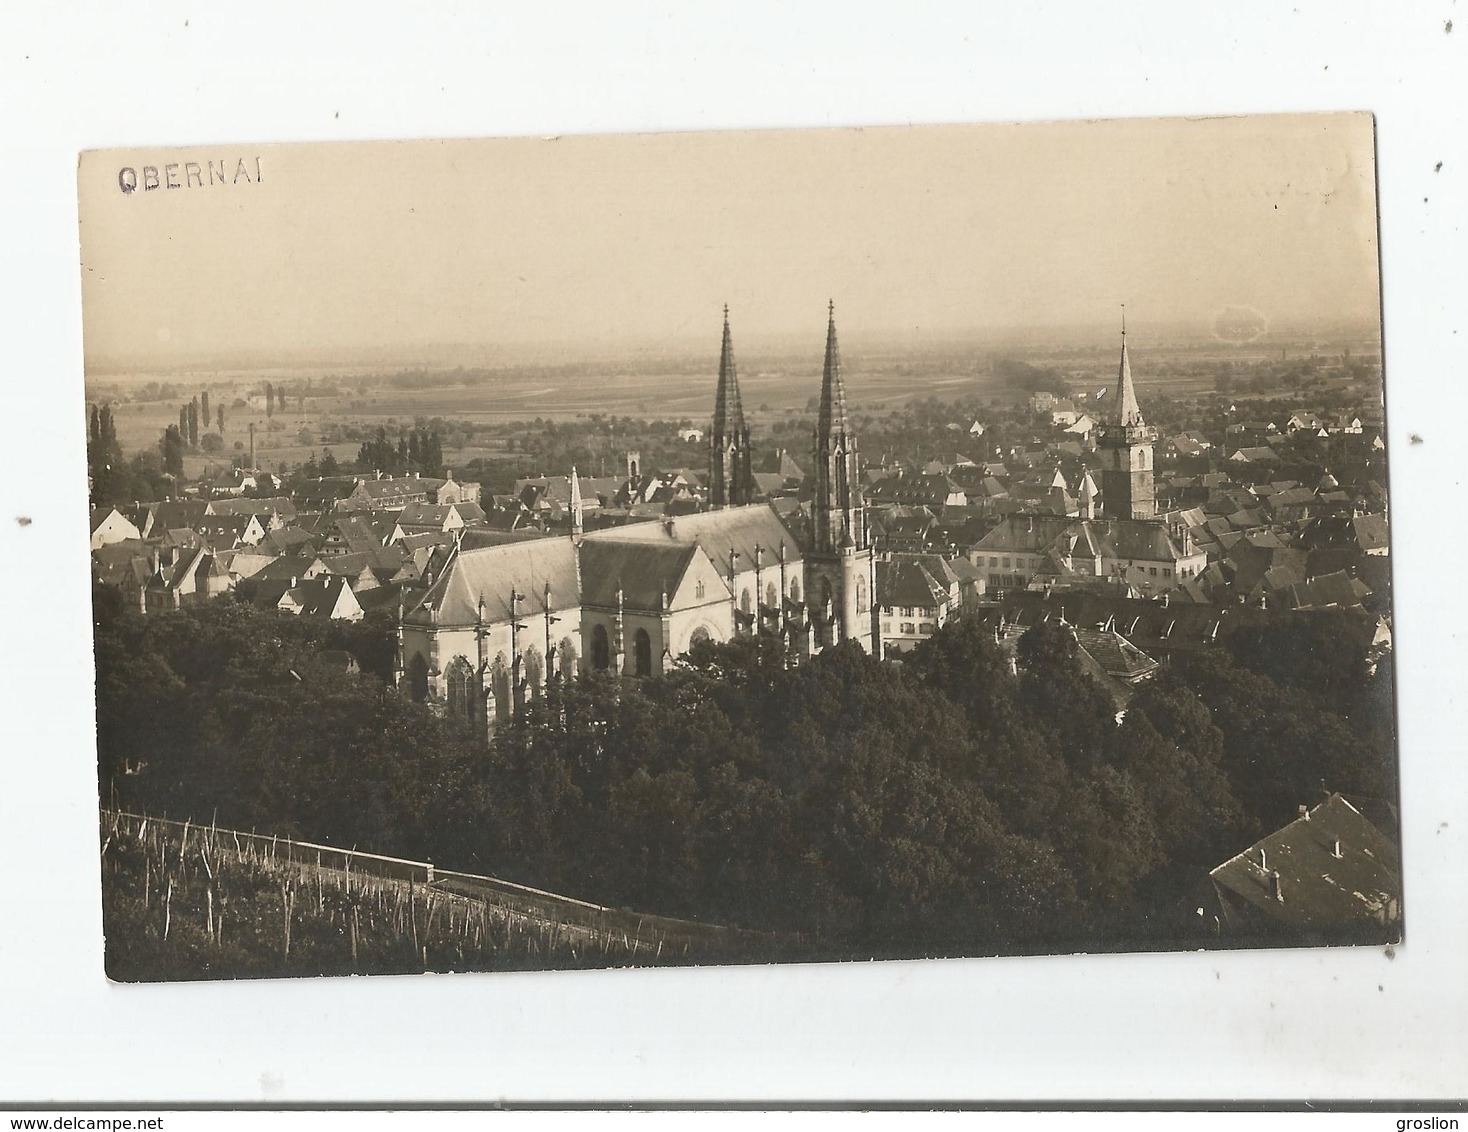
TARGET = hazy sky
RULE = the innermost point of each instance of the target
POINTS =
(598, 241)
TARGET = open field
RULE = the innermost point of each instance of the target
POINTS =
(676, 389)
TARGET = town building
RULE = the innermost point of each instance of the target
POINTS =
(918, 594)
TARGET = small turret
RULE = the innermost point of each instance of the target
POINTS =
(577, 520)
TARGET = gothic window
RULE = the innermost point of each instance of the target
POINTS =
(861, 594)
(601, 649)
(699, 589)
(700, 633)
(534, 670)
(566, 658)
(746, 603)
(418, 677)
(772, 595)
(499, 683)
(794, 589)
(459, 679)
(642, 650)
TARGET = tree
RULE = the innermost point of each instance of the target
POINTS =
(328, 464)
(269, 399)
(221, 419)
(381, 455)
(212, 442)
(194, 423)
(172, 448)
(111, 482)
(204, 407)
(183, 423)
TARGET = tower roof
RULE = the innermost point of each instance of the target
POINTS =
(728, 409)
(833, 393)
(575, 495)
(1128, 412)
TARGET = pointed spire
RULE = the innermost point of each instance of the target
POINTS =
(833, 393)
(1088, 496)
(576, 510)
(1128, 412)
(728, 409)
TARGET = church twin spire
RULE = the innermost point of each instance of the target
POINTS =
(838, 521)
(731, 473)
(832, 419)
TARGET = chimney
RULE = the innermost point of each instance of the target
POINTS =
(1263, 859)
(1304, 812)
(1275, 887)
(1335, 849)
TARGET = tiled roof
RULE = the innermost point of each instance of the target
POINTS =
(1335, 871)
(1328, 591)
(645, 571)
(740, 529)
(906, 582)
(493, 572)
(1117, 656)
(1371, 531)
(178, 514)
(276, 505)
(424, 515)
(283, 540)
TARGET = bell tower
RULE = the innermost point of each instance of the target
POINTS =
(731, 473)
(1128, 490)
(840, 575)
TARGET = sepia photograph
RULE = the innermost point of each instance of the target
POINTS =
(734, 547)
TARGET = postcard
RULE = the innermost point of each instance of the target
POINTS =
(740, 547)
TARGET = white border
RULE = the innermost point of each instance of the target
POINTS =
(1321, 1024)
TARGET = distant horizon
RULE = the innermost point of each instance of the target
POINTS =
(991, 341)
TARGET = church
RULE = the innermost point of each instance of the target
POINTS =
(505, 617)
(1119, 540)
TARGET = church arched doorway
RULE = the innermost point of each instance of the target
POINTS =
(642, 652)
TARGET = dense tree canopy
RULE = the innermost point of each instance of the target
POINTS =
(952, 804)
